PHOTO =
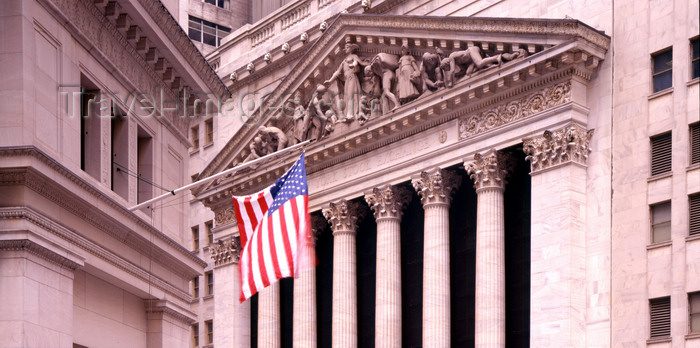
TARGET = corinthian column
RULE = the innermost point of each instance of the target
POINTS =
(435, 189)
(488, 172)
(387, 204)
(558, 225)
(343, 217)
(304, 314)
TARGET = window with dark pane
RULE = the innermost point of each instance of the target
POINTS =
(694, 306)
(660, 317)
(661, 154)
(694, 214)
(195, 335)
(661, 222)
(695, 58)
(206, 32)
(195, 29)
(662, 73)
(695, 143)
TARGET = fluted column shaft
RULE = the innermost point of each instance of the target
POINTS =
(269, 329)
(490, 269)
(304, 331)
(435, 189)
(387, 203)
(489, 172)
(343, 220)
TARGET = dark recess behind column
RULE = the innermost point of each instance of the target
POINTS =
(324, 286)
(412, 273)
(286, 310)
(366, 278)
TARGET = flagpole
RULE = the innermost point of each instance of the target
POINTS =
(224, 173)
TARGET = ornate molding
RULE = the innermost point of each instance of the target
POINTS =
(226, 251)
(161, 307)
(343, 216)
(38, 250)
(565, 145)
(489, 170)
(436, 186)
(225, 216)
(25, 213)
(499, 115)
(388, 202)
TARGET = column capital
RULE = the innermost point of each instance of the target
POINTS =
(565, 145)
(489, 170)
(226, 251)
(343, 216)
(436, 186)
(388, 202)
(318, 225)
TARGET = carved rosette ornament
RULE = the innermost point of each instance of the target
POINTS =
(388, 202)
(436, 186)
(343, 216)
(226, 251)
(569, 144)
(489, 170)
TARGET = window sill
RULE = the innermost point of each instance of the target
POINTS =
(659, 244)
(691, 238)
(660, 176)
(694, 81)
(660, 93)
(692, 336)
(195, 252)
(193, 152)
(208, 145)
(692, 167)
(658, 340)
(208, 297)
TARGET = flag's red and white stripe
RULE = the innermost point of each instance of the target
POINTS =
(269, 242)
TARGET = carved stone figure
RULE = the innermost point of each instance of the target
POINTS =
(273, 136)
(408, 76)
(250, 67)
(430, 70)
(349, 69)
(285, 47)
(257, 150)
(234, 76)
(323, 26)
(268, 58)
(384, 65)
(517, 54)
(465, 63)
(298, 118)
(317, 115)
(304, 37)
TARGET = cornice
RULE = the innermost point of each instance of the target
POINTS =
(110, 224)
(37, 250)
(559, 63)
(55, 228)
(164, 308)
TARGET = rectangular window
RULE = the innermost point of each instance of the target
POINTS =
(144, 160)
(661, 222)
(695, 143)
(195, 287)
(662, 73)
(90, 126)
(195, 238)
(206, 32)
(219, 3)
(120, 152)
(209, 128)
(210, 331)
(210, 235)
(694, 214)
(195, 335)
(195, 137)
(210, 282)
(694, 306)
(661, 154)
(695, 58)
(660, 317)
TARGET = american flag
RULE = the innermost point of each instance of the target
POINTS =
(274, 227)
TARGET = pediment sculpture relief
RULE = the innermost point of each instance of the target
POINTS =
(365, 88)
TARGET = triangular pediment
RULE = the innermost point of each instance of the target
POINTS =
(520, 53)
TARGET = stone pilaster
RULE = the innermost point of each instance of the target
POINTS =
(488, 173)
(558, 172)
(232, 318)
(387, 203)
(167, 324)
(304, 314)
(435, 189)
(343, 217)
(269, 335)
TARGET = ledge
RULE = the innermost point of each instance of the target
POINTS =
(660, 176)
(208, 297)
(692, 336)
(205, 146)
(691, 238)
(694, 81)
(659, 244)
(194, 152)
(658, 340)
(692, 167)
(660, 93)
